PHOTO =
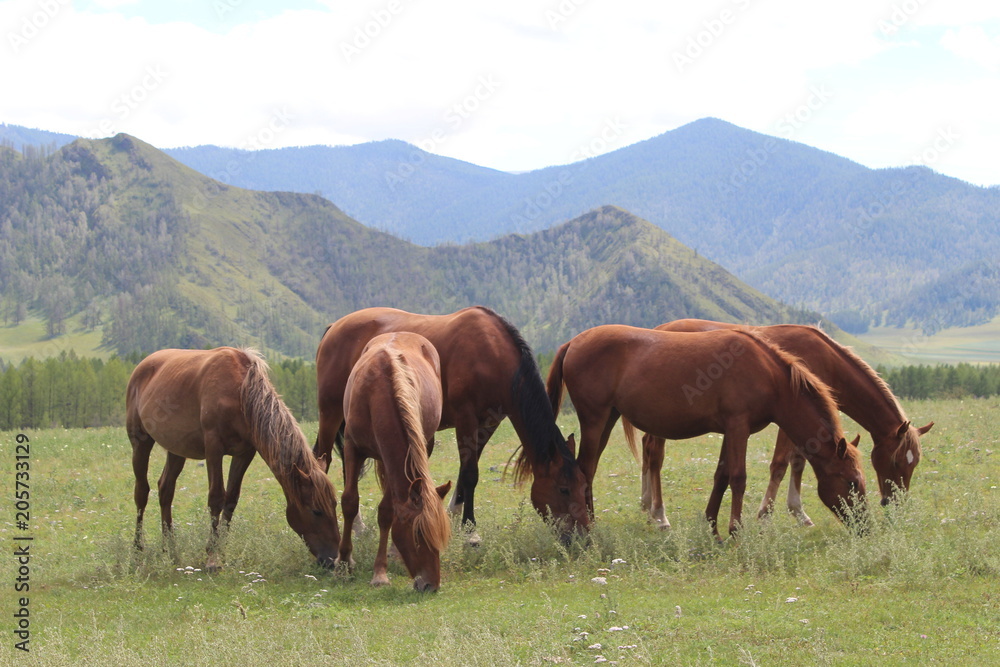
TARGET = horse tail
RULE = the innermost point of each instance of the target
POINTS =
(554, 384)
(630, 438)
(433, 522)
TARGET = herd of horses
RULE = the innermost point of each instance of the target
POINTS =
(388, 380)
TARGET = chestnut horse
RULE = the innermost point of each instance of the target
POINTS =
(681, 385)
(392, 406)
(206, 404)
(859, 392)
(488, 372)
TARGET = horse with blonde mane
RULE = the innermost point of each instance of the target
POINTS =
(859, 392)
(392, 406)
(488, 373)
(206, 404)
(681, 385)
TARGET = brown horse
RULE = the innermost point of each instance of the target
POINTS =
(681, 385)
(392, 404)
(488, 372)
(206, 404)
(859, 392)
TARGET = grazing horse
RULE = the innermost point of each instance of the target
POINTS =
(859, 392)
(392, 406)
(681, 385)
(488, 372)
(206, 404)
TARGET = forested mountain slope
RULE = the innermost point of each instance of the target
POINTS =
(154, 254)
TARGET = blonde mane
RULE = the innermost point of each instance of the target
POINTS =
(278, 438)
(432, 523)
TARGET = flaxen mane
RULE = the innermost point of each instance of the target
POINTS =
(432, 523)
(277, 435)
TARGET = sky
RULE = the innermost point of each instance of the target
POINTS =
(514, 85)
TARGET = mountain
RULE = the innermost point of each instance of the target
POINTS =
(19, 138)
(116, 236)
(800, 224)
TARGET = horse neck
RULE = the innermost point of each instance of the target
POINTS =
(863, 396)
(805, 418)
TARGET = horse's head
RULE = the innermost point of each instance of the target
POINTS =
(895, 457)
(312, 513)
(559, 492)
(841, 480)
(420, 532)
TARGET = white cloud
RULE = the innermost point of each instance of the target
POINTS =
(563, 70)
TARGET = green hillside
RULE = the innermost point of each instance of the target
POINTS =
(113, 240)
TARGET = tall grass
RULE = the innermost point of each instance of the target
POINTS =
(919, 586)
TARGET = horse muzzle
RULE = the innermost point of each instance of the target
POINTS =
(422, 585)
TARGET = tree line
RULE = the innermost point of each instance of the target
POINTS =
(72, 392)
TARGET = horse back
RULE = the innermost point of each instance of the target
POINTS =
(176, 395)
(477, 357)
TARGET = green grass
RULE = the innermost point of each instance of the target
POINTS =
(921, 588)
(978, 344)
(29, 339)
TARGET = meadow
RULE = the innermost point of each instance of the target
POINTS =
(922, 586)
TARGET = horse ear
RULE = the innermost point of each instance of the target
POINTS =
(903, 428)
(571, 443)
(444, 489)
(924, 429)
(842, 448)
(304, 474)
(417, 498)
(857, 440)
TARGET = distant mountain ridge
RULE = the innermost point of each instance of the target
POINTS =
(117, 236)
(800, 224)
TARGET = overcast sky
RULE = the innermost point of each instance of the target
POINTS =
(514, 84)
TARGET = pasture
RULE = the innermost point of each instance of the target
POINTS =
(923, 586)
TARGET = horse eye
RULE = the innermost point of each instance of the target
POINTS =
(564, 490)
(317, 512)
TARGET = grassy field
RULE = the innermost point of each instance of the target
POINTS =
(979, 344)
(922, 587)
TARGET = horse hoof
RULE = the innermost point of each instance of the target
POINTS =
(474, 539)
(380, 580)
(664, 525)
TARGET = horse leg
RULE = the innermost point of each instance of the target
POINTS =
(349, 506)
(472, 435)
(652, 491)
(165, 489)
(720, 483)
(142, 445)
(237, 469)
(795, 490)
(783, 448)
(595, 429)
(216, 496)
(735, 445)
(380, 577)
